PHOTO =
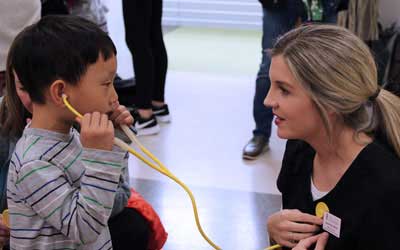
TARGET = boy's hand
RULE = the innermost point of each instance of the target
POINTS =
(121, 116)
(97, 131)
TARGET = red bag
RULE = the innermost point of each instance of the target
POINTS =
(158, 235)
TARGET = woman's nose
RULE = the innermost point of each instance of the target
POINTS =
(269, 101)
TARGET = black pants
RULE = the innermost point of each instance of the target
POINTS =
(54, 7)
(129, 230)
(143, 34)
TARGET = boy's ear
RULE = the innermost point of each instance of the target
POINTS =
(57, 88)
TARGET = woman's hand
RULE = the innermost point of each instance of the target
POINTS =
(320, 240)
(4, 233)
(288, 227)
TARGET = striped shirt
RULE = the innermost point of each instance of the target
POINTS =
(60, 195)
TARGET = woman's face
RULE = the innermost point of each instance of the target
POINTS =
(22, 94)
(295, 113)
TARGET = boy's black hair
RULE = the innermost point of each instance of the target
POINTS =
(57, 47)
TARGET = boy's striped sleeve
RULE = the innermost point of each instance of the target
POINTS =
(78, 212)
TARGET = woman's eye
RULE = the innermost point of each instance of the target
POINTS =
(284, 91)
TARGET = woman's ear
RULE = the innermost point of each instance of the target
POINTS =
(333, 116)
(331, 112)
(57, 88)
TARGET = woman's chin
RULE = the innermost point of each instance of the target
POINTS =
(284, 134)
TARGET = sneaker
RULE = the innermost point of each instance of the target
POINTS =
(162, 113)
(144, 126)
(257, 145)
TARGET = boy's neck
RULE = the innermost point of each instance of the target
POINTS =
(47, 118)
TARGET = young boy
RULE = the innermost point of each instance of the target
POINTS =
(62, 185)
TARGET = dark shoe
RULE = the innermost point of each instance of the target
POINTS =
(145, 126)
(126, 90)
(255, 147)
(120, 83)
(162, 113)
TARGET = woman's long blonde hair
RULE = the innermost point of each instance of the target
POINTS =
(339, 73)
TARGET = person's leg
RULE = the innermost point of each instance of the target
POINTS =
(330, 8)
(129, 230)
(275, 22)
(159, 52)
(137, 18)
(160, 108)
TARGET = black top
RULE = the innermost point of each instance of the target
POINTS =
(366, 198)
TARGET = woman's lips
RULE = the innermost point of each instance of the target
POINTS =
(278, 120)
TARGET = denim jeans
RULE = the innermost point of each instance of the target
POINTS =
(276, 23)
(330, 10)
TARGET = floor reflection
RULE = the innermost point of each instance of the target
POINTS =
(234, 220)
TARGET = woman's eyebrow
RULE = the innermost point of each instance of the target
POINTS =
(284, 84)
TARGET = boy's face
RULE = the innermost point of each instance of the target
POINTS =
(95, 91)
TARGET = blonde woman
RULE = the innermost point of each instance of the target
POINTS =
(344, 141)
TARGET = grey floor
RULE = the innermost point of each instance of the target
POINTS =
(234, 220)
(212, 121)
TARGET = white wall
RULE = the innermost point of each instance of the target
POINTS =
(238, 14)
(389, 11)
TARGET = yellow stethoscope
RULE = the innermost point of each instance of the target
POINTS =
(159, 167)
(320, 210)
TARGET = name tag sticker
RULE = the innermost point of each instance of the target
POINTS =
(332, 224)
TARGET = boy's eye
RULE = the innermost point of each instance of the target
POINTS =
(107, 84)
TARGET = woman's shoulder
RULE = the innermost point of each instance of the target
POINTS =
(382, 181)
(382, 164)
(378, 153)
